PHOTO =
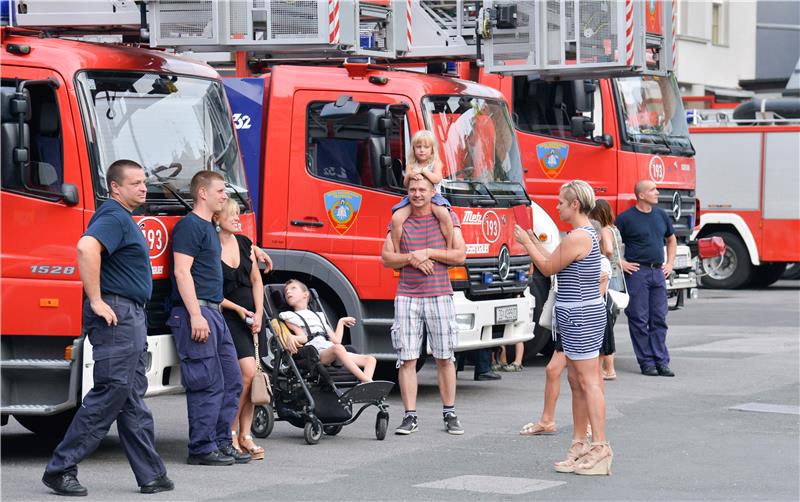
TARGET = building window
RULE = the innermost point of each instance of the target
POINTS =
(719, 23)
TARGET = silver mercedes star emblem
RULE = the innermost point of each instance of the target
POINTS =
(676, 206)
(504, 263)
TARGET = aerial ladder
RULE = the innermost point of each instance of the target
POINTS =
(549, 38)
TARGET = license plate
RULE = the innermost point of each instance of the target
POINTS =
(505, 314)
(682, 262)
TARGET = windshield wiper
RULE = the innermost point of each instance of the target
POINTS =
(483, 202)
(174, 192)
(238, 196)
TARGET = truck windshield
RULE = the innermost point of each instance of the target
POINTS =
(174, 126)
(477, 146)
(653, 113)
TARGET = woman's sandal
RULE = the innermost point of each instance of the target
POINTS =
(609, 376)
(256, 452)
(235, 441)
(576, 452)
(597, 462)
(537, 429)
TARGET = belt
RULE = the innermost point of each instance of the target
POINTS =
(113, 297)
(649, 265)
(202, 303)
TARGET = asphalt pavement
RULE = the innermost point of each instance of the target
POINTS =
(727, 427)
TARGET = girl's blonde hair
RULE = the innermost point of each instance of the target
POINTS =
(582, 192)
(425, 137)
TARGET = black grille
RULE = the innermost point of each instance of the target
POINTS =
(509, 287)
(685, 224)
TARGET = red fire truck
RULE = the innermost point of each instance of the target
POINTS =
(69, 109)
(331, 169)
(748, 173)
(611, 133)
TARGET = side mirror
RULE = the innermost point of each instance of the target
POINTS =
(378, 121)
(581, 126)
(606, 140)
(583, 92)
(343, 107)
(70, 193)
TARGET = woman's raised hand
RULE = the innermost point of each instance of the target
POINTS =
(521, 235)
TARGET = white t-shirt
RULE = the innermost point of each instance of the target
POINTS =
(314, 321)
(605, 266)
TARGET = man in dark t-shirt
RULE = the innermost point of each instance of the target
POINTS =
(424, 298)
(209, 367)
(644, 229)
(114, 264)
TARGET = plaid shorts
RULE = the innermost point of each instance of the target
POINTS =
(437, 313)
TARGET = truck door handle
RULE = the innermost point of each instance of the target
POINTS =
(304, 223)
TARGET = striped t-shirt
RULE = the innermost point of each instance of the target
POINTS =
(421, 232)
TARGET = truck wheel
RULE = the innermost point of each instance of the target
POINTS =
(48, 426)
(766, 274)
(542, 342)
(733, 270)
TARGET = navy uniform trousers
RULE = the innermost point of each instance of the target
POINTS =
(120, 355)
(647, 316)
(211, 376)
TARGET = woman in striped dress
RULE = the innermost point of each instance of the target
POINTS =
(580, 319)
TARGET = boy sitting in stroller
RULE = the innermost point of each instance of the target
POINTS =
(312, 328)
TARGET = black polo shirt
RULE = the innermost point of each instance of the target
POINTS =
(644, 234)
(125, 261)
(196, 237)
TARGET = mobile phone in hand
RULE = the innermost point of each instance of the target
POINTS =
(523, 216)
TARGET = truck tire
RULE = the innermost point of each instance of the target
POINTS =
(734, 271)
(51, 427)
(766, 274)
(542, 341)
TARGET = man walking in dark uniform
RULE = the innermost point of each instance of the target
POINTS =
(114, 264)
(209, 366)
(644, 229)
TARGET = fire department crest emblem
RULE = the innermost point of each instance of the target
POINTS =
(342, 207)
(552, 157)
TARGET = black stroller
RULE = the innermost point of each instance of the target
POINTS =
(306, 393)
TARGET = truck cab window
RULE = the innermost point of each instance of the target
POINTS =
(547, 108)
(45, 143)
(338, 149)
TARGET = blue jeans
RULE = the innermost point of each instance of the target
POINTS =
(647, 316)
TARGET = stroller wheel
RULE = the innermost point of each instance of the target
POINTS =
(312, 431)
(263, 421)
(381, 425)
(332, 430)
